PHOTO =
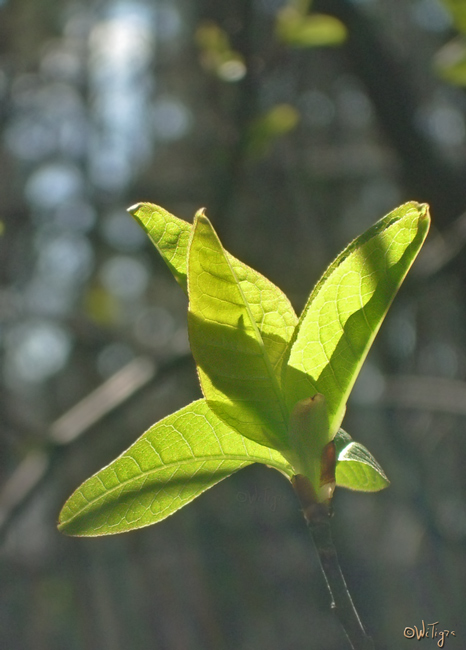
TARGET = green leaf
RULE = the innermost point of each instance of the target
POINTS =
(169, 235)
(308, 434)
(316, 30)
(270, 308)
(235, 362)
(346, 308)
(357, 468)
(167, 467)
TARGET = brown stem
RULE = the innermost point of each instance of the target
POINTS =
(317, 516)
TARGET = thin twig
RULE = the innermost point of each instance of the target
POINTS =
(419, 392)
(317, 516)
(103, 400)
(112, 394)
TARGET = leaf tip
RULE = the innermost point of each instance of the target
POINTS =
(424, 211)
(201, 219)
(134, 208)
(200, 214)
(62, 528)
(424, 219)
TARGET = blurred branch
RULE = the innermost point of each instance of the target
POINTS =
(109, 396)
(21, 483)
(104, 399)
(441, 248)
(425, 393)
(416, 392)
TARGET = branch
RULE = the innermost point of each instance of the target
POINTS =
(317, 516)
(112, 394)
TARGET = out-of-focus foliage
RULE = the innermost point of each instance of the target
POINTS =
(450, 60)
(457, 9)
(296, 28)
(216, 54)
(277, 121)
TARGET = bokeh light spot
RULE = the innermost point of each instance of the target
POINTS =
(124, 277)
(52, 184)
(36, 351)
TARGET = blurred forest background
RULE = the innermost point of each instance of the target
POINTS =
(296, 131)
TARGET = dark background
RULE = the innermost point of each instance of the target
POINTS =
(293, 152)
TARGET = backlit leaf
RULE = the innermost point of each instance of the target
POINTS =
(167, 467)
(357, 468)
(237, 372)
(270, 308)
(169, 235)
(345, 310)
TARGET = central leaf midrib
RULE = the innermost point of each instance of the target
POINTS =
(332, 268)
(268, 365)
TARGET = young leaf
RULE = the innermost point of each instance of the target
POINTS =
(169, 235)
(357, 468)
(167, 467)
(236, 372)
(270, 308)
(345, 310)
(309, 434)
(241, 332)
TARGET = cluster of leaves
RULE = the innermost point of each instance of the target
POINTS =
(295, 26)
(275, 387)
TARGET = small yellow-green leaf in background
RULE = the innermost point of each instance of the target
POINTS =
(315, 30)
(275, 123)
(237, 374)
(167, 467)
(216, 53)
(357, 468)
(101, 306)
(457, 10)
(279, 120)
(450, 62)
